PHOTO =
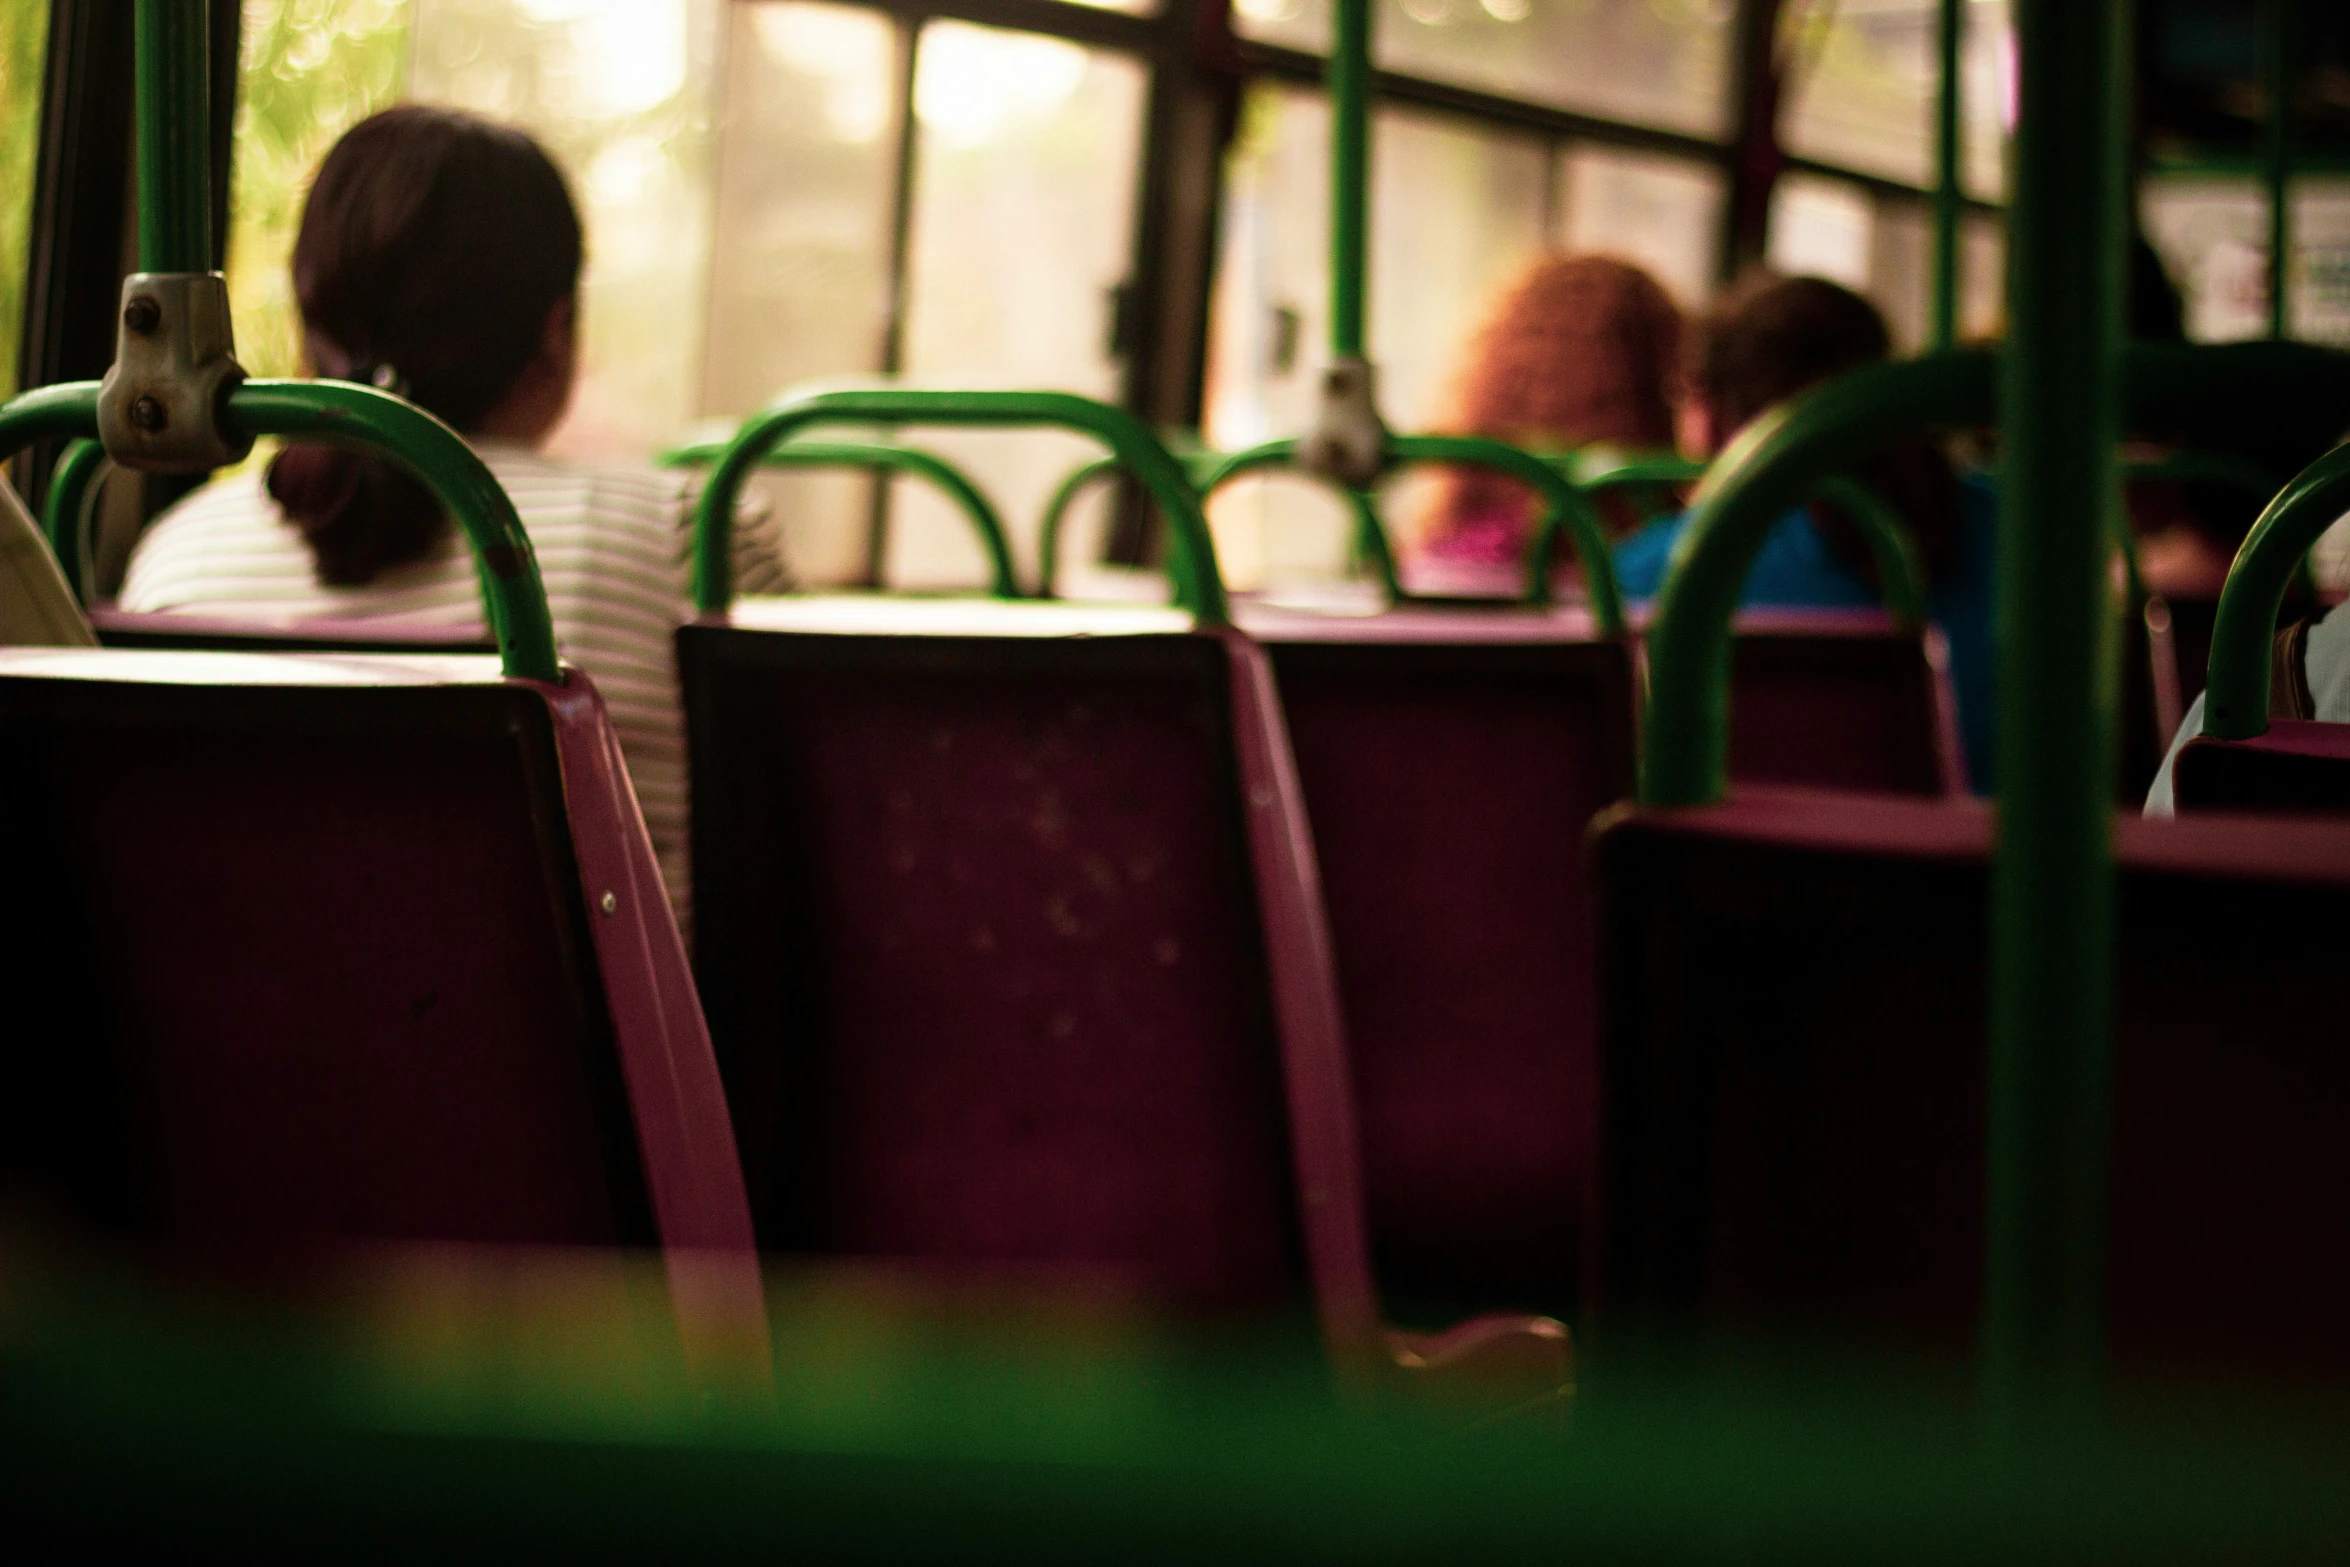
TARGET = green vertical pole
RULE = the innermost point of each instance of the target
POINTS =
(175, 137)
(1350, 172)
(2276, 160)
(2052, 891)
(1949, 192)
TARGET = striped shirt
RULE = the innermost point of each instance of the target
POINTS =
(614, 548)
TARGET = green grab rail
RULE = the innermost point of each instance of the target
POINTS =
(1772, 466)
(1370, 536)
(2236, 695)
(1056, 511)
(62, 512)
(1901, 578)
(172, 82)
(1003, 577)
(1644, 470)
(1949, 191)
(1198, 587)
(344, 414)
(1567, 513)
(1349, 77)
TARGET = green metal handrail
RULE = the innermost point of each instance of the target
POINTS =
(1949, 188)
(172, 81)
(1567, 514)
(1349, 77)
(339, 413)
(1056, 511)
(62, 514)
(1370, 538)
(2235, 705)
(1192, 564)
(1003, 578)
(1773, 466)
(1640, 471)
(1901, 577)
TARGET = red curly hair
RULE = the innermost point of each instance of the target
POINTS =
(1576, 350)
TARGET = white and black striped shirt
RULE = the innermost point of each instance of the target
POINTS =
(614, 548)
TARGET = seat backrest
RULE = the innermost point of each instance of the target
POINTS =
(309, 950)
(1000, 964)
(1794, 1055)
(205, 633)
(1451, 763)
(1842, 699)
(2298, 766)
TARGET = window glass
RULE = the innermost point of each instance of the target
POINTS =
(2212, 234)
(1026, 155)
(1454, 210)
(1661, 211)
(1657, 62)
(620, 91)
(1881, 247)
(1822, 228)
(24, 31)
(310, 70)
(1865, 78)
(799, 268)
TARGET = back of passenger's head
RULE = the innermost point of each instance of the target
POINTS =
(1772, 337)
(1575, 350)
(435, 252)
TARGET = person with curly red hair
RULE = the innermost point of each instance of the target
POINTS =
(1576, 352)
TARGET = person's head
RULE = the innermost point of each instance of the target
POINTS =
(1768, 339)
(1772, 337)
(439, 255)
(1574, 351)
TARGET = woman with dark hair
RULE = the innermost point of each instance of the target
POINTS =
(1768, 340)
(439, 257)
(1577, 353)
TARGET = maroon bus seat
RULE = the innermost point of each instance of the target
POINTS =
(1793, 1054)
(208, 633)
(1008, 926)
(1451, 762)
(2299, 766)
(1842, 699)
(311, 951)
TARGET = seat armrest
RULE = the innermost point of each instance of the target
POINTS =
(1494, 1366)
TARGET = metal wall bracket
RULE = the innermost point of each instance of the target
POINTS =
(161, 407)
(1348, 442)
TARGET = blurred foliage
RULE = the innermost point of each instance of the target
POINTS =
(311, 70)
(24, 31)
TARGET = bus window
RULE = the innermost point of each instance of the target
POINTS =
(2212, 232)
(1025, 161)
(1655, 62)
(24, 28)
(620, 92)
(307, 73)
(799, 268)
(1863, 86)
(1662, 211)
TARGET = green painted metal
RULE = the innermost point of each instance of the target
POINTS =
(1056, 512)
(2235, 703)
(2060, 415)
(1370, 545)
(2276, 159)
(1349, 78)
(62, 514)
(173, 85)
(1192, 563)
(1566, 514)
(1772, 467)
(340, 413)
(1644, 471)
(1003, 577)
(1901, 578)
(1949, 186)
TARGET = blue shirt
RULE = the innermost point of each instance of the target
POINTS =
(1793, 570)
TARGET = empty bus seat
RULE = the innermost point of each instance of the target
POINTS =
(303, 951)
(1451, 762)
(1793, 1048)
(1009, 932)
(1842, 699)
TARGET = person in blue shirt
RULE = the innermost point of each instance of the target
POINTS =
(1765, 342)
